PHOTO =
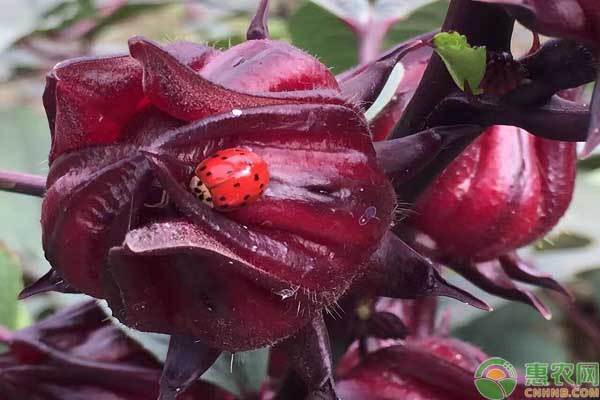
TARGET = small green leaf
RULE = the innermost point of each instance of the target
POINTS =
(11, 283)
(464, 63)
(563, 240)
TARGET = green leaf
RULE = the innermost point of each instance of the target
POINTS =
(587, 283)
(357, 11)
(399, 10)
(464, 63)
(325, 36)
(425, 19)
(64, 15)
(11, 283)
(67, 14)
(242, 375)
(589, 164)
(563, 240)
(122, 14)
(518, 334)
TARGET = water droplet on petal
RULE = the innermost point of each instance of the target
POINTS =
(368, 215)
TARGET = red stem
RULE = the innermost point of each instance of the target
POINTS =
(420, 315)
(19, 182)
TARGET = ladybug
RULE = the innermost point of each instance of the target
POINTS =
(230, 179)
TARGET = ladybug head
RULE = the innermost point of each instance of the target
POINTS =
(200, 190)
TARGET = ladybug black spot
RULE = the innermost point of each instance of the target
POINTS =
(222, 198)
(262, 185)
(229, 172)
(256, 177)
(236, 185)
(216, 155)
(203, 168)
(208, 173)
(223, 158)
(246, 197)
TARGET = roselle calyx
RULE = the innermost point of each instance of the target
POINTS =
(129, 179)
(426, 369)
(121, 223)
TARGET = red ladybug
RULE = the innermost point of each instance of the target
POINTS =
(230, 179)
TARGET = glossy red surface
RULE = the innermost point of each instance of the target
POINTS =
(506, 190)
(238, 280)
(234, 177)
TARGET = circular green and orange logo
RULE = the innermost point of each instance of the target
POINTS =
(496, 379)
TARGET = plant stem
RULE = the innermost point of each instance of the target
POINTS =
(420, 316)
(369, 41)
(19, 182)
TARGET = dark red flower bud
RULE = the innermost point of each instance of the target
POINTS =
(505, 191)
(79, 352)
(304, 236)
